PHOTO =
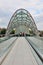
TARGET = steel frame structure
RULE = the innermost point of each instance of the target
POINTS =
(19, 18)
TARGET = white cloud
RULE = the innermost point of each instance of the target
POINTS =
(39, 21)
(3, 22)
(11, 5)
(40, 26)
(0, 20)
(8, 7)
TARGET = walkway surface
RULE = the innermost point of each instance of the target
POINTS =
(20, 54)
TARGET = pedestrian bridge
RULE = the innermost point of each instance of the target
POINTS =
(22, 22)
(27, 47)
(21, 51)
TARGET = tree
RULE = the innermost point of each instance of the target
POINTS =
(12, 32)
(3, 31)
(30, 31)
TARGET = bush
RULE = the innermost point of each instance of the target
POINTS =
(3, 31)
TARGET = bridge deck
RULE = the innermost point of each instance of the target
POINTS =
(20, 54)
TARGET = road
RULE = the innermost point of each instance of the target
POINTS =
(20, 54)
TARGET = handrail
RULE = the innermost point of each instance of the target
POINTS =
(35, 49)
(8, 50)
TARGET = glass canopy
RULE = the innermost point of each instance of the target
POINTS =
(22, 21)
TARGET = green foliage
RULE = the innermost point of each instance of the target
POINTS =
(3, 31)
(12, 32)
(30, 31)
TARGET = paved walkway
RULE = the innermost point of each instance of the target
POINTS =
(20, 54)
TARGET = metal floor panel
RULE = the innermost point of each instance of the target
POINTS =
(20, 54)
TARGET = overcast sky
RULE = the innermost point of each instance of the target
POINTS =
(8, 7)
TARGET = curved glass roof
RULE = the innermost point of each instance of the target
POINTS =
(21, 21)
